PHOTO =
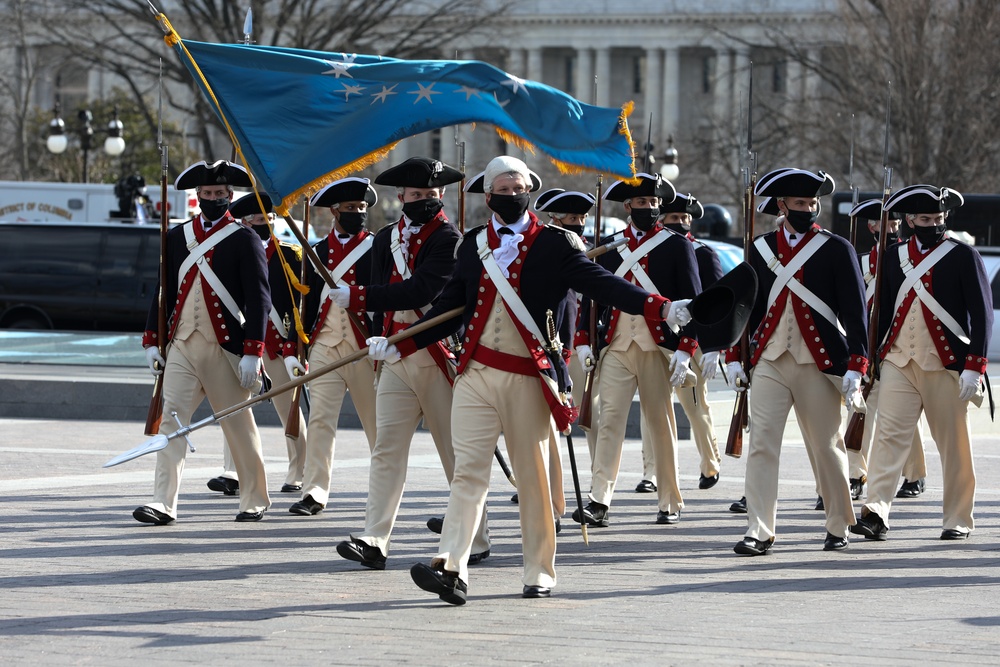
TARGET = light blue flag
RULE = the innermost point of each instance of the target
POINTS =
(305, 118)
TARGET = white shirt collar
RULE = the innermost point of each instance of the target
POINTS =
(517, 227)
(788, 236)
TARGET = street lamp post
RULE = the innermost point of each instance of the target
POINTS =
(114, 144)
(669, 169)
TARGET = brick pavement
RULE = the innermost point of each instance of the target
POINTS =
(83, 583)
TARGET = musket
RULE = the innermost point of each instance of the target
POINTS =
(741, 409)
(554, 348)
(292, 425)
(856, 424)
(855, 191)
(248, 26)
(586, 418)
(155, 413)
(461, 186)
(649, 145)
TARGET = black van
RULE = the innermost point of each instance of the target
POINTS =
(79, 276)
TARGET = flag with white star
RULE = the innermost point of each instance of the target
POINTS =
(304, 118)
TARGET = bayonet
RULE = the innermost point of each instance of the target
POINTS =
(248, 26)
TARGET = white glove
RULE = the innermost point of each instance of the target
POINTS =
(968, 384)
(249, 371)
(294, 367)
(678, 315)
(850, 388)
(679, 363)
(379, 349)
(153, 357)
(586, 356)
(709, 365)
(341, 297)
(734, 372)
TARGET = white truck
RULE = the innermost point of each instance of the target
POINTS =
(129, 201)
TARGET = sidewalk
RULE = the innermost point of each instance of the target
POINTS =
(83, 583)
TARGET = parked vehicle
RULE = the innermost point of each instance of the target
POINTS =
(85, 203)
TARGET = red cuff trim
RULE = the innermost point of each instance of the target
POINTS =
(582, 337)
(253, 348)
(858, 363)
(288, 350)
(653, 307)
(406, 347)
(149, 338)
(358, 300)
(688, 345)
(974, 363)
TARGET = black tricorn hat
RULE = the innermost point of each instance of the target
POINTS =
(684, 204)
(247, 205)
(476, 183)
(870, 209)
(351, 188)
(789, 182)
(419, 172)
(721, 312)
(924, 199)
(558, 200)
(769, 206)
(648, 186)
(221, 172)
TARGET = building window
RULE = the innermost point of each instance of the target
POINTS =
(436, 144)
(779, 77)
(569, 78)
(707, 72)
(637, 68)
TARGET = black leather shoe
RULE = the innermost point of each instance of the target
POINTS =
(750, 546)
(834, 543)
(740, 506)
(250, 516)
(446, 585)
(595, 514)
(645, 486)
(954, 534)
(910, 489)
(669, 518)
(435, 524)
(149, 515)
(290, 488)
(365, 554)
(306, 507)
(536, 592)
(819, 504)
(871, 526)
(476, 559)
(858, 487)
(513, 499)
(224, 485)
(708, 482)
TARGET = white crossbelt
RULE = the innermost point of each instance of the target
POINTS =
(911, 280)
(785, 276)
(630, 261)
(345, 265)
(396, 246)
(514, 304)
(196, 258)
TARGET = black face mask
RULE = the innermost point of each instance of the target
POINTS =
(801, 221)
(263, 231)
(510, 208)
(422, 211)
(930, 236)
(576, 229)
(678, 227)
(213, 209)
(352, 221)
(644, 218)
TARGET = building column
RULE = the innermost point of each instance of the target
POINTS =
(652, 94)
(811, 80)
(534, 69)
(670, 116)
(515, 62)
(584, 76)
(602, 70)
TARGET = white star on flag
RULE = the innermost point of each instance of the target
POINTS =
(469, 92)
(338, 69)
(502, 104)
(425, 92)
(350, 90)
(383, 94)
(514, 83)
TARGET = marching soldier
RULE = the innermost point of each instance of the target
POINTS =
(218, 301)
(346, 254)
(511, 274)
(871, 212)
(411, 262)
(808, 350)
(278, 340)
(933, 351)
(677, 217)
(640, 352)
